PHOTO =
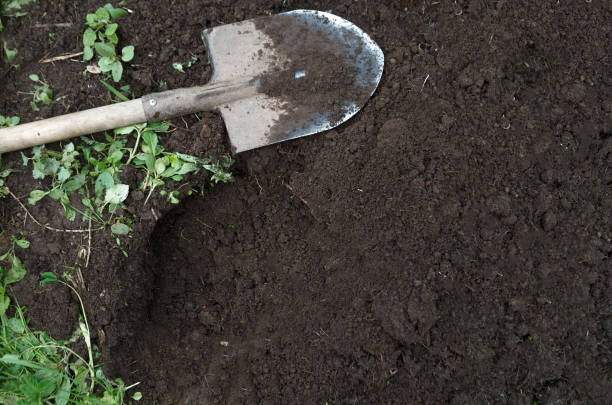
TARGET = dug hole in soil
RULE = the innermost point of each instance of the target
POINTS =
(448, 244)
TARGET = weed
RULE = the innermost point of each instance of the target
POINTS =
(95, 178)
(161, 167)
(12, 274)
(101, 36)
(42, 92)
(92, 170)
(10, 54)
(37, 369)
(8, 121)
(181, 66)
(4, 190)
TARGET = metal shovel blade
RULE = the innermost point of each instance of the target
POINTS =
(312, 70)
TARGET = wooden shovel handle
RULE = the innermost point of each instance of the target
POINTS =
(71, 125)
(154, 107)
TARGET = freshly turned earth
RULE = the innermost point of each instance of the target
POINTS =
(450, 243)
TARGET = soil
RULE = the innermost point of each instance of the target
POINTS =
(448, 244)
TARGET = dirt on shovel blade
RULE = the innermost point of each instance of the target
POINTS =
(331, 67)
(450, 244)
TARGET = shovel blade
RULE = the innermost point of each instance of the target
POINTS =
(313, 71)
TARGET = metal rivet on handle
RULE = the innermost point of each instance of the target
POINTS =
(152, 102)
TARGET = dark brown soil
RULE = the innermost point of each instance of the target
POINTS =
(448, 244)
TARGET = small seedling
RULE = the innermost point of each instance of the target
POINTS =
(181, 66)
(4, 190)
(101, 37)
(178, 66)
(42, 92)
(12, 274)
(8, 121)
(10, 54)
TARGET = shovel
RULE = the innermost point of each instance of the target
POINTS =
(274, 78)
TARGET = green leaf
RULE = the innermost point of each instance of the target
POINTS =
(16, 325)
(104, 181)
(11, 54)
(36, 196)
(149, 162)
(34, 77)
(169, 172)
(63, 174)
(16, 272)
(116, 156)
(63, 392)
(150, 138)
(68, 210)
(178, 66)
(117, 71)
(87, 202)
(115, 12)
(50, 166)
(105, 49)
(137, 396)
(160, 166)
(4, 303)
(187, 168)
(46, 97)
(113, 38)
(125, 130)
(127, 53)
(89, 37)
(106, 64)
(15, 360)
(48, 277)
(88, 53)
(116, 194)
(120, 229)
(74, 184)
(57, 193)
(92, 20)
(158, 126)
(102, 14)
(111, 29)
(22, 243)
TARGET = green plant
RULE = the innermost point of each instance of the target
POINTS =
(95, 178)
(161, 167)
(12, 8)
(8, 121)
(12, 274)
(37, 369)
(101, 37)
(11, 54)
(4, 190)
(181, 66)
(42, 92)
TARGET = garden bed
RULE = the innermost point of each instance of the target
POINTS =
(448, 244)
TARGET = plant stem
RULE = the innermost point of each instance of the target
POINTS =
(135, 148)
